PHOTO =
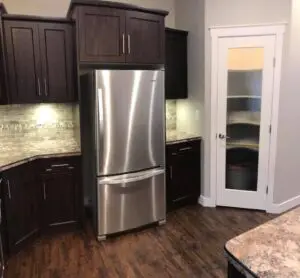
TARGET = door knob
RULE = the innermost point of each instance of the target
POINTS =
(222, 136)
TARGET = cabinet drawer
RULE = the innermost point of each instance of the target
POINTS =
(130, 201)
(60, 164)
(190, 146)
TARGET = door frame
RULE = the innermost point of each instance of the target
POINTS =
(278, 31)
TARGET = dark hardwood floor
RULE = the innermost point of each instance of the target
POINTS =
(189, 245)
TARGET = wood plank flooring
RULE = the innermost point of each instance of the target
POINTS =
(189, 245)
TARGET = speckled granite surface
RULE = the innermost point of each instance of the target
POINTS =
(18, 155)
(272, 249)
(174, 136)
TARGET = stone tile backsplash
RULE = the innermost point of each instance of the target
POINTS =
(43, 125)
(49, 126)
(171, 115)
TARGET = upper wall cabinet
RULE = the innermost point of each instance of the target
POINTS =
(114, 33)
(3, 91)
(176, 64)
(40, 61)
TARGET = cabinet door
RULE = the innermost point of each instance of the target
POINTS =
(145, 38)
(183, 181)
(3, 75)
(176, 64)
(23, 61)
(21, 207)
(57, 56)
(60, 199)
(101, 34)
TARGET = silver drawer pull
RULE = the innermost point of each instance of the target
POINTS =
(71, 167)
(49, 170)
(129, 44)
(8, 187)
(185, 149)
(44, 191)
(60, 165)
(123, 38)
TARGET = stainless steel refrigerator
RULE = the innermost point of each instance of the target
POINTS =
(123, 145)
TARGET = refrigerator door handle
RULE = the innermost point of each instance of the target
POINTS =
(99, 125)
(125, 181)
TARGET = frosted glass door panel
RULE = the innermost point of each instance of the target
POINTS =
(244, 90)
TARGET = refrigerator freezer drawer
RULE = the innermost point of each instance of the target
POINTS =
(130, 201)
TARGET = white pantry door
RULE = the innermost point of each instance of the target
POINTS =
(245, 89)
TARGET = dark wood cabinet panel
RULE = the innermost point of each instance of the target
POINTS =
(21, 201)
(60, 195)
(40, 61)
(4, 98)
(183, 174)
(101, 35)
(57, 59)
(39, 197)
(176, 68)
(145, 38)
(118, 34)
(23, 59)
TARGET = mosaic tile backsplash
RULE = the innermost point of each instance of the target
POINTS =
(171, 115)
(48, 128)
(42, 127)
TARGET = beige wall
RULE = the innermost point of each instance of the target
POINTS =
(58, 8)
(190, 16)
(196, 16)
(287, 174)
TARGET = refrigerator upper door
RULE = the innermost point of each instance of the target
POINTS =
(130, 120)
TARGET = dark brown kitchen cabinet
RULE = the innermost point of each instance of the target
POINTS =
(102, 35)
(57, 61)
(40, 61)
(23, 61)
(40, 197)
(176, 68)
(21, 206)
(4, 99)
(60, 181)
(115, 33)
(145, 38)
(183, 174)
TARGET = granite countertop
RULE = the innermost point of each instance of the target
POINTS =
(174, 136)
(270, 250)
(15, 155)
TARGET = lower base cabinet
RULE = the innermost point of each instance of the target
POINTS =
(183, 180)
(40, 197)
(20, 207)
(60, 200)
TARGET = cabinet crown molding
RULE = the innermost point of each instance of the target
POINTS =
(109, 4)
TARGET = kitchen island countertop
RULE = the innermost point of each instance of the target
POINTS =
(270, 250)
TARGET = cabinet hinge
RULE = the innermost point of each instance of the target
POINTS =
(267, 190)
(270, 129)
(274, 62)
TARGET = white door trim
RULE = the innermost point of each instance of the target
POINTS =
(278, 31)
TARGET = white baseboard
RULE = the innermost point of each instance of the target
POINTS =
(206, 202)
(284, 206)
